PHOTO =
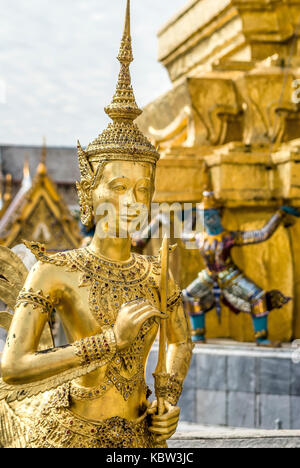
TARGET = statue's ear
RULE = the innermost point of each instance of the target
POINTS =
(86, 169)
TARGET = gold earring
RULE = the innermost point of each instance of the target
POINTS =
(86, 209)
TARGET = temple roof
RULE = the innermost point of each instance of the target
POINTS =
(38, 213)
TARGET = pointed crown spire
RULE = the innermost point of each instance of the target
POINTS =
(122, 140)
(123, 105)
(209, 201)
(26, 170)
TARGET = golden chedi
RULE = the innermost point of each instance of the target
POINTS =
(110, 302)
(234, 107)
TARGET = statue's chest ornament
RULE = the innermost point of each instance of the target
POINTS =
(113, 284)
(110, 286)
(216, 248)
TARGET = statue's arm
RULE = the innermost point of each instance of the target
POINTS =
(180, 348)
(179, 356)
(189, 236)
(22, 363)
(260, 235)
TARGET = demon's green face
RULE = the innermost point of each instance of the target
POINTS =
(212, 221)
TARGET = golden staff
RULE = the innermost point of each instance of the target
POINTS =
(161, 377)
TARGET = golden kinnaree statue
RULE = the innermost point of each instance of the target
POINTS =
(92, 392)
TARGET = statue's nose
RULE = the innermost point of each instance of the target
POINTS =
(130, 198)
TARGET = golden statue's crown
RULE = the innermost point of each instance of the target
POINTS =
(122, 140)
(209, 202)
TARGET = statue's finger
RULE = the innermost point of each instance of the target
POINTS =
(171, 407)
(136, 304)
(168, 423)
(175, 411)
(152, 408)
(143, 305)
(164, 438)
(138, 316)
(148, 315)
(136, 312)
(163, 431)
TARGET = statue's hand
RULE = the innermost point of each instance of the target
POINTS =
(130, 319)
(291, 210)
(163, 427)
(290, 213)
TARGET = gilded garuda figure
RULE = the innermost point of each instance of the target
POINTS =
(92, 392)
(222, 280)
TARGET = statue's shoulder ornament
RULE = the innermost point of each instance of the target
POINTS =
(60, 259)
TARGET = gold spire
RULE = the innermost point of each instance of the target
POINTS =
(8, 189)
(42, 169)
(209, 201)
(122, 140)
(26, 170)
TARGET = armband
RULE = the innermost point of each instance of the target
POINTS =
(174, 390)
(36, 300)
(175, 296)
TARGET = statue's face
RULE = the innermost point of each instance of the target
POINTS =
(212, 220)
(128, 188)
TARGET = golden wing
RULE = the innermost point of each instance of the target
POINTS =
(5, 320)
(13, 274)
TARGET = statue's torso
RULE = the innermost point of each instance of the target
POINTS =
(89, 292)
(216, 250)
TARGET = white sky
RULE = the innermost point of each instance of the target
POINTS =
(58, 68)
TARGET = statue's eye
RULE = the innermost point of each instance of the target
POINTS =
(143, 189)
(119, 188)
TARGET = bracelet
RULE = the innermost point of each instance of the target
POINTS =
(174, 390)
(168, 387)
(36, 299)
(175, 297)
(101, 347)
